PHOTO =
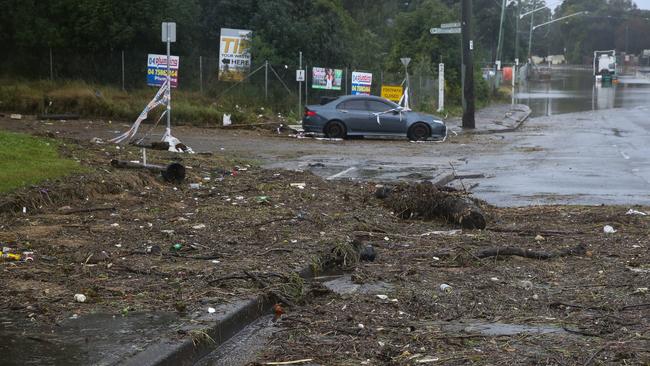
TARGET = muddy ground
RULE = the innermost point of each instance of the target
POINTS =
(591, 308)
(109, 235)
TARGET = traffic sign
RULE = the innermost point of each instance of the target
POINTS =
(450, 25)
(300, 75)
(168, 32)
(445, 30)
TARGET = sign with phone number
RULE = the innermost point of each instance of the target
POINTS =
(157, 70)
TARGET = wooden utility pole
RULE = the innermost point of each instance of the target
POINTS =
(467, 68)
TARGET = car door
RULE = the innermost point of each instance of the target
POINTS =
(354, 114)
(389, 120)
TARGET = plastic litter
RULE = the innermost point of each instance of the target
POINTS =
(212, 310)
(635, 212)
(262, 199)
(198, 227)
(176, 247)
(227, 121)
(539, 238)
(382, 297)
(526, 285)
(298, 185)
(80, 298)
(16, 116)
(446, 288)
(10, 256)
(609, 229)
(195, 185)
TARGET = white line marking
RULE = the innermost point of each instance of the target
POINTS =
(338, 175)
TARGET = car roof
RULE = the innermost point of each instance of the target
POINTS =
(361, 97)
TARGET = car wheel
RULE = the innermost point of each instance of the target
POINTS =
(418, 132)
(335, 130)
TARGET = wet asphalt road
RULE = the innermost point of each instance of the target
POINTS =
(579, 158)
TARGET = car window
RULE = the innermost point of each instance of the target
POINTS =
(377, 106)
(353, 105)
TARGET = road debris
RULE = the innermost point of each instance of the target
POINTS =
(608, 229)
(80, 298)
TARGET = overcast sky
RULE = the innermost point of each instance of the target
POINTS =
(643, 4)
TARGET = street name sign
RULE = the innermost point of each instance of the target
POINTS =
(445, 30)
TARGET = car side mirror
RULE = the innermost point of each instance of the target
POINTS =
(398, 110)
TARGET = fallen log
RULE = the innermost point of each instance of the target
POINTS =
(529, 253)
(424, 200)
(173, 173)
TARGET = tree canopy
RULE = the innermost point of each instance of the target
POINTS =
(356, 33)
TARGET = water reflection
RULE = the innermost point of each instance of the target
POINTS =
(575, 91)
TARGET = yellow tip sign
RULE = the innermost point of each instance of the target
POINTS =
(393, 93)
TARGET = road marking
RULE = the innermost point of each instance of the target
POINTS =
(340, 174)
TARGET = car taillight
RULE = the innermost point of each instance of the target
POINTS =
(309, 113)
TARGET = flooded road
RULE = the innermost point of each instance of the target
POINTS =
(574, 90)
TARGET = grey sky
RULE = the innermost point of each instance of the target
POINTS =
(643, 4)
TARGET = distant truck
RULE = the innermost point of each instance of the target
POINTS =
(605, 64)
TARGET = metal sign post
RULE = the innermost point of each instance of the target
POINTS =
(169, 36)
(441, 87)
(406, 61)
(300, 77)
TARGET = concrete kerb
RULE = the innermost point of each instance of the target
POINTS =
(225, 323)
(523, 114)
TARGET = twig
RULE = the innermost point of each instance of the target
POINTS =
(456, 176)
(523, 232)
(243, 277)
(89, 209)
(634, 306)
(276, 250)
(595, 354)
(580, 249)
(265, 284)
(290, 362)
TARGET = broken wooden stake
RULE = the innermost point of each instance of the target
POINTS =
(173, 173)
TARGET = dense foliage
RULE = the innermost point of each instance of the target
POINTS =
(362, 34)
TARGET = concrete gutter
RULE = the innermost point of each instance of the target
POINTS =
(225, 323)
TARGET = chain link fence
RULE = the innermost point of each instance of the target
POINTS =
(275, 85)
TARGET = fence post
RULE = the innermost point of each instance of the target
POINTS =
(345, 80)
(266, 80)
(201, 74)
(306, 85)
(123, 79)
(51, 66)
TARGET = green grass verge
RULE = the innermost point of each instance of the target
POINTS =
(26, 160)
(101, 101)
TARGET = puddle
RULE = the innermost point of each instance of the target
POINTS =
(97, 339)
(344, 286)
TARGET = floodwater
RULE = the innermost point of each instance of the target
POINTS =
(574, 90)
(95, 339)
